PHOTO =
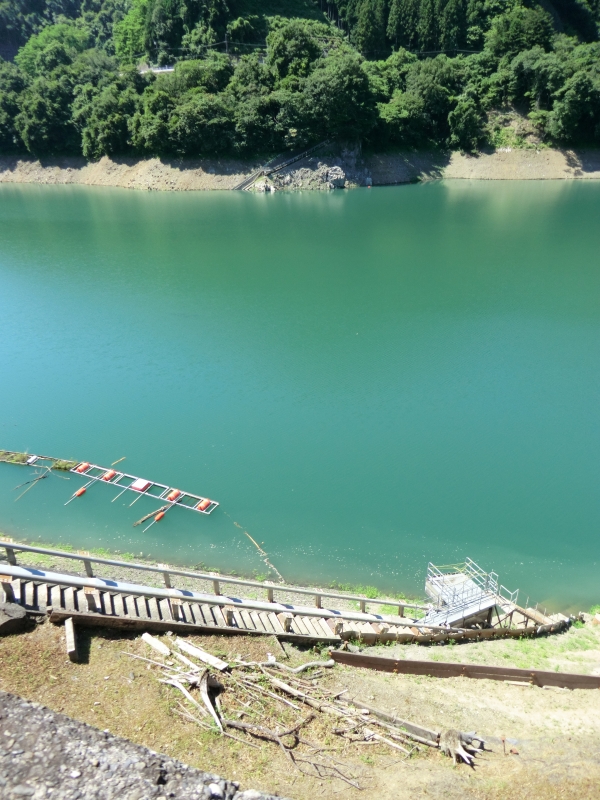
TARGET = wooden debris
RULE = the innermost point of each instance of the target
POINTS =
(156, 644)
(209, 659)
(252, 699)
(71, 640)
(151, 514)
(206, 699)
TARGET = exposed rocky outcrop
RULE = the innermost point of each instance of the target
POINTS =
(345, 169)
(45, 754)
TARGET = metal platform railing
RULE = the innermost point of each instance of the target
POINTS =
(464, 590)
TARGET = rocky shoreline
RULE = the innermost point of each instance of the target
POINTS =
(331, 170)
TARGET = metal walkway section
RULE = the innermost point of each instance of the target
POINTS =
(464, 594)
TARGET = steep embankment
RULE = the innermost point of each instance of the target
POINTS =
(312, 173)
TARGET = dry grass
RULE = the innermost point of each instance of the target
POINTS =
(556, 733)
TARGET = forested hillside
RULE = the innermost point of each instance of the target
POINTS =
(256, 77)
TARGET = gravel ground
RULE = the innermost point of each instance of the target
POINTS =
(47, 755)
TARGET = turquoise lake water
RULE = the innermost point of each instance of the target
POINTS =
(364, 380)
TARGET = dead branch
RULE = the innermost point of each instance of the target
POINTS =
(369, 734)
(276, 697)
(206, 699)
(151, 514)
(265, 733)
(186, 714)
(186, 694)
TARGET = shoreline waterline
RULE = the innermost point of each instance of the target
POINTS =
(381, 169)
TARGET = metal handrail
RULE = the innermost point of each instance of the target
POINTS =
(455, 598)
(120, 587)
(215, 578)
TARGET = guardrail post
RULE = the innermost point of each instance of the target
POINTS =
(400, 611)
(10, 556)
(363, 606)
(270, 595)
(318, 601)
(216, 587)
(167, 580)
(88, 568)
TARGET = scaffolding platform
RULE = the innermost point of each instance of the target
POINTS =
(464, 594)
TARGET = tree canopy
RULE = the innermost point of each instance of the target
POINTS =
(256, 76)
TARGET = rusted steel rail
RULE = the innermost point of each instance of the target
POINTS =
(437, 669)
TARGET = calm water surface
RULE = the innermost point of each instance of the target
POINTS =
(365, 381)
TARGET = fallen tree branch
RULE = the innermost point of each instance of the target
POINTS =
(262, 732)
(186, 694)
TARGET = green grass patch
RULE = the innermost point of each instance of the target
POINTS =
(13, 458)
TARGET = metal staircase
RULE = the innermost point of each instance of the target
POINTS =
(464, 593)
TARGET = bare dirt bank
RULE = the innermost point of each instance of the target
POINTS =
(311, 173)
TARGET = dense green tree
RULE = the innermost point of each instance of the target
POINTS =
(245, 33)
(387, 76)
(369, 34)
(436, 81)
(102, 117)
(289, 81)
(20, 19)
(203, 124)
(44, 121)
(12, 84)
(453, 25)
(65, 40)
(149, 126)
(427, 28)
(293, 46)
(257, 128)
(403, 120)
(337, 99)
(403, 23)
(251, 78)
(130, 33)
(212, 74)
(576, 113)
(467, 124)
(520, 29)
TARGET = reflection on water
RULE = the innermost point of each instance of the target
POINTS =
(365, 380)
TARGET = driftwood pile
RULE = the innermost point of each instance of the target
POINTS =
(272, 702)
